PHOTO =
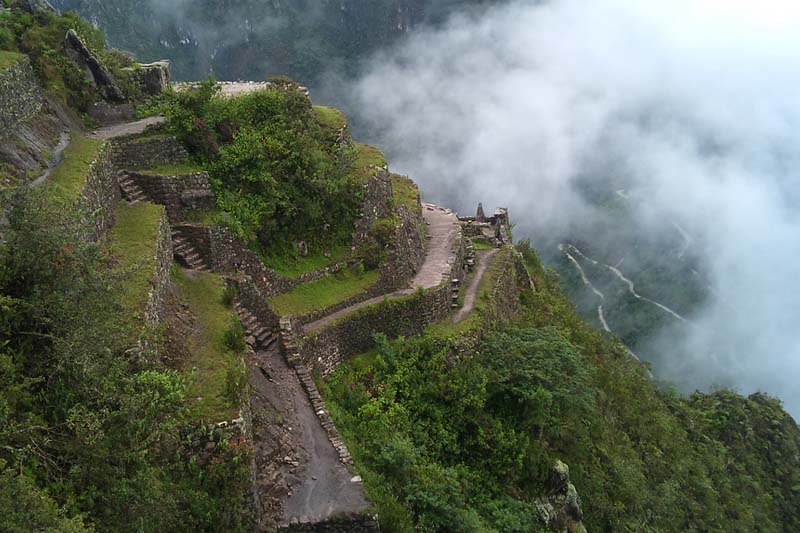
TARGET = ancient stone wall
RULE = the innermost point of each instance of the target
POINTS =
(100, 194)
(180, 194)
(408, 315)
(224, 252)
(252, 299)
(133, 154)
(407, 252)
(21, 98)
(159, 286)
(359, 523)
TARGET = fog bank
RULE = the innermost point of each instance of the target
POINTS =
(692, 105)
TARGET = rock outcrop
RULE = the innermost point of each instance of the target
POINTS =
(102, 77)
(561, 509)
(152, 78)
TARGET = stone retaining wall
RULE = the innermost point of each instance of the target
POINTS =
(251, 298)
(138, 153)
(161, 279)
(224, 252)
(408, 315)
(179, 194)
(290, 351)
(21, 98)
(359, 523)
(100, 194)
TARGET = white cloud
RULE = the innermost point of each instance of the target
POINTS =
(695, 102)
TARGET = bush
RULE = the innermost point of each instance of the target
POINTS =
(235, 336)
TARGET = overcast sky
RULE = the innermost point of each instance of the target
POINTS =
(697, 105)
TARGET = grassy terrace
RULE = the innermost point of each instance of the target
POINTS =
(132, 243)
(210, 356)
(180, 169)
(323, 293)
(291, 266)
(368, 155)
(9, 59)
(67, 180)
(330, 117)
(405, 192)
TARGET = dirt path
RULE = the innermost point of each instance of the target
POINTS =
(484, 259)
(129, 128)
(313, 484)
(442, 226)
(63, 142)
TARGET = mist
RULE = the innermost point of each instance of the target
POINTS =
(692, 107)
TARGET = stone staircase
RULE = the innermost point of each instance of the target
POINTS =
(130, 191)
(261, 335)
(186, 253)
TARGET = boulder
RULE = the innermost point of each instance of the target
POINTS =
(102, 77)
(152, 78)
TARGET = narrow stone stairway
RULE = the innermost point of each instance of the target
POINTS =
(186, 253)
(264, 337)
(132, 192)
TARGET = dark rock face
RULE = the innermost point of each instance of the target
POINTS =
(100, 74)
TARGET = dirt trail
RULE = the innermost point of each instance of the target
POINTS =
(442, 226)
(312, 484)
(484, 259)
(58, 152)
(129, 128)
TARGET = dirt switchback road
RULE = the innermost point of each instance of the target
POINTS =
(484, 260)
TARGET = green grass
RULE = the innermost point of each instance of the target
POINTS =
(368, 155)
(210, 357)
(9, 59)
(68, 179)
(405, 192)
(180, 169)
(330, 117)
(201, 216)
(292, 266)
(323, 293)
(132, 243)
(482, 245)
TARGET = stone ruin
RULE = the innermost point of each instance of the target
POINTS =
(492, 230)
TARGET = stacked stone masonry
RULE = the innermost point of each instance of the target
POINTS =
(180, 194)
(147, 152)
(100, 195)
(290, 350)
(360, 523)
(161, 279)
(406, 315)
(21, 97)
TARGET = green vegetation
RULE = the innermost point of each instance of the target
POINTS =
(9, 59)
(180, 169)
(453, 438)
(294, 265)
(367, 155)
(405, 192)
(482, 245)
(323, 292)
(41, 38)
(68, 179)
(91, 421)
(275, 174)
(330, 118)
(216, 350)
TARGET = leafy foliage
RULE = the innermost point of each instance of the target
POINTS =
(457, 436)
(41, 37)
(87, 430)
(276, 175)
